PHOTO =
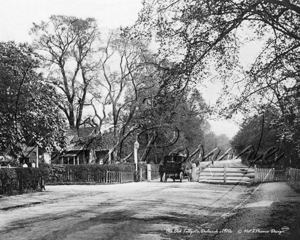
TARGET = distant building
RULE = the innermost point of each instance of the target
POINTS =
(84, 146)
(30, 155)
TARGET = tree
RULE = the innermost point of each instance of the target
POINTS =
(123, 76)
(204, 33)
(223, 143)
(171, 126)
(68, 46)
(196, 30)
(262, 133)
(28, 111)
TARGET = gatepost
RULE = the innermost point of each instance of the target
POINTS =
(148, 172)
(136, 147)
(194, 174)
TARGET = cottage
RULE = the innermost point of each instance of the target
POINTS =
(85, 146)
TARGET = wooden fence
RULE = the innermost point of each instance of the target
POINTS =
(242, 175)
(293, 178)
(227, 175)
(99, 177)
(264, 174)
(269, 175)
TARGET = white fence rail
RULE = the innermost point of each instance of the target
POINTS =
(227, 175)
(243, 175)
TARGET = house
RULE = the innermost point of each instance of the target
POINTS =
(85, 146)
(35, 155)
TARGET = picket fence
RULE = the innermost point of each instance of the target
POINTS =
(269, 175)
(293, 178)
(101, 177)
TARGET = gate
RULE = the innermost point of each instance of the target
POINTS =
(269, 175)
(244, 175)
(227, 175)
(293, 178)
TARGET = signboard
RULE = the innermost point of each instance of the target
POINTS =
(136, 145)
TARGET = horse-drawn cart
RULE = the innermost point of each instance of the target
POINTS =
(173, 168)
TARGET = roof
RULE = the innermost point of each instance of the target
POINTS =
(71, 154)
(86, 138)
(87, 131)
(81, 132)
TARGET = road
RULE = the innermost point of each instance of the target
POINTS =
(153, 210)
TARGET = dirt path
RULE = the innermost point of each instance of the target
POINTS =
(153, 211)
(272, 211)
(128, 211)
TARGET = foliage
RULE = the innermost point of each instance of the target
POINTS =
(256, 131)
(174, 127)
(19, 180)
(204, 34)
(28, 111)
(189, 118)
(263, 133)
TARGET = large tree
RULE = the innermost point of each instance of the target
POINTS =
(124, 75)
(68, 46)
(202, 34)
(193, 30)
(29, 114)
(262, 135)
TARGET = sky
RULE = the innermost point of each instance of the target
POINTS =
(18, 16)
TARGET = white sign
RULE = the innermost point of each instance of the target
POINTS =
(136, 145)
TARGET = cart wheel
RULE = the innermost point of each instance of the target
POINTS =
(189, 177)
(181, 176)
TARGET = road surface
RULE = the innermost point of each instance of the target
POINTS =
(153, 210)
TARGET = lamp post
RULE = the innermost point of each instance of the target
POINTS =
(136, 147)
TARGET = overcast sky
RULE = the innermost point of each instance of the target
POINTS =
(17, 16)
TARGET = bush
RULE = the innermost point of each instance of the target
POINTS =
(20, 180)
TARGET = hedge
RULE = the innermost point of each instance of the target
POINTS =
(21, 180)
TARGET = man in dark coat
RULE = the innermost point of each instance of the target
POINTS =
(161, 172)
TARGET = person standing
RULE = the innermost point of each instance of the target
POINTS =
(161, 171)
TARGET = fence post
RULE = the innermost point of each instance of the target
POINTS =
(296, 178)
(141, 174)
(224, 174)
(148, 172)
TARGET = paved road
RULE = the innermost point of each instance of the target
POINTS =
(147, 210)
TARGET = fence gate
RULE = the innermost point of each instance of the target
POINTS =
(269, 175)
